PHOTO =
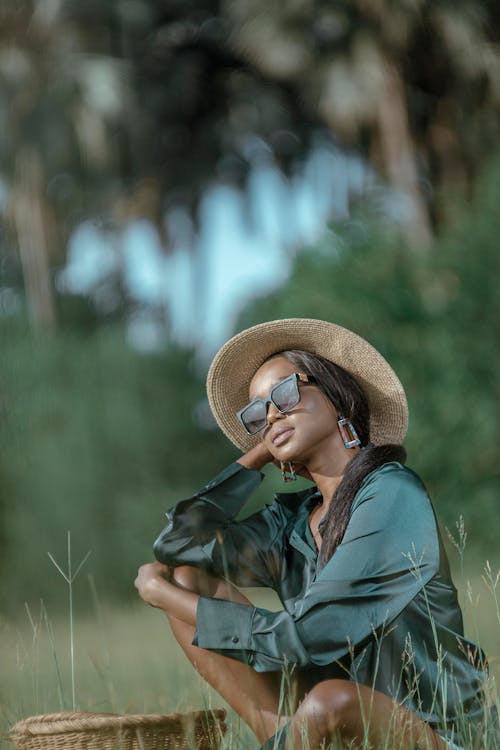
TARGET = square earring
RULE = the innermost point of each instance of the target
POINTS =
(287, 475)
(348, 433)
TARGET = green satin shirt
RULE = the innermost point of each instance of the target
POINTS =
(383, 611)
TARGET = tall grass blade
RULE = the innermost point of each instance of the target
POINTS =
(69, 577)
(50, 634)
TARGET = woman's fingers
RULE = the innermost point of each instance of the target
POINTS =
(151, 570)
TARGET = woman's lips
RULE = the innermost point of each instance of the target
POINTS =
(282, 436)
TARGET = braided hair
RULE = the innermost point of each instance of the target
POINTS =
(350, 401)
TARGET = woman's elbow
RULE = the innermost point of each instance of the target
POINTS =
(162, 552)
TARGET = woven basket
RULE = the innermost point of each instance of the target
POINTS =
(70, 730)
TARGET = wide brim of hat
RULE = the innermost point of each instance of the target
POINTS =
(236, 363)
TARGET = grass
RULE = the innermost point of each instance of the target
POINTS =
(127, 661)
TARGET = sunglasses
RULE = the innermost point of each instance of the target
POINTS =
(284, 396)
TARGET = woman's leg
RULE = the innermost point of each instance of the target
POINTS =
(349, 712)
(253, 695)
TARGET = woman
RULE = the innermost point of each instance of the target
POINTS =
(371, 636)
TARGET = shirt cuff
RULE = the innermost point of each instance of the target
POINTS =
(230, 489)
(224, 626)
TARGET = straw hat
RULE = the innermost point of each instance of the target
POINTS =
(236, 362)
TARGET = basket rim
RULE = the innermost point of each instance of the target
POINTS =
(64, 722)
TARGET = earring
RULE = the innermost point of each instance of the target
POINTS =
(348, 433)
(288, 475)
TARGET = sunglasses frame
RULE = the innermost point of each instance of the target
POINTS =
(296, 377)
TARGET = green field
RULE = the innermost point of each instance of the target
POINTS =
(127, 661)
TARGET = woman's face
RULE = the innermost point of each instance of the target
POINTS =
(308, 430)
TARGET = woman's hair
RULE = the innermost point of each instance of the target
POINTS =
(350, 402)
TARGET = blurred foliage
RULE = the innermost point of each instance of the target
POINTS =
(122, 109)
(436, 318)
(414, 85)
(170, 94)
(126, 106)
(97, 440)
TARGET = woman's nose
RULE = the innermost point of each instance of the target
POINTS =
(272, 413)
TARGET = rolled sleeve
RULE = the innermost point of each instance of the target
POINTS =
(202, 532)
(192, 523)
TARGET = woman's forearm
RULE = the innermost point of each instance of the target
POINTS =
(178, 602)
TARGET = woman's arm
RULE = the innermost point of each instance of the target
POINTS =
(202, 532)
(153, 580)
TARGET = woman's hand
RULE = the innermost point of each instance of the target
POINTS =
(151, 580)
(256, 457)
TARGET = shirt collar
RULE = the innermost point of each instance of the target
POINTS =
(293, 500)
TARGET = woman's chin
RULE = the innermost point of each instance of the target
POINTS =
(286, 453)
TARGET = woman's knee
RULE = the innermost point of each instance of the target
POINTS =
(193, 579)
(331, 707)
(200, 582)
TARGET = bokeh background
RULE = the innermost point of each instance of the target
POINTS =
(172, 171)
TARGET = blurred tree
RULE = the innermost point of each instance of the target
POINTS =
(415, 83)
(117, 110)
(120, 109)
(58, 106)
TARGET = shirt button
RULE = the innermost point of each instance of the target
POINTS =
(235, 639)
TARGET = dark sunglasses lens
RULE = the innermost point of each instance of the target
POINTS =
(254, 417)
(286, 395)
